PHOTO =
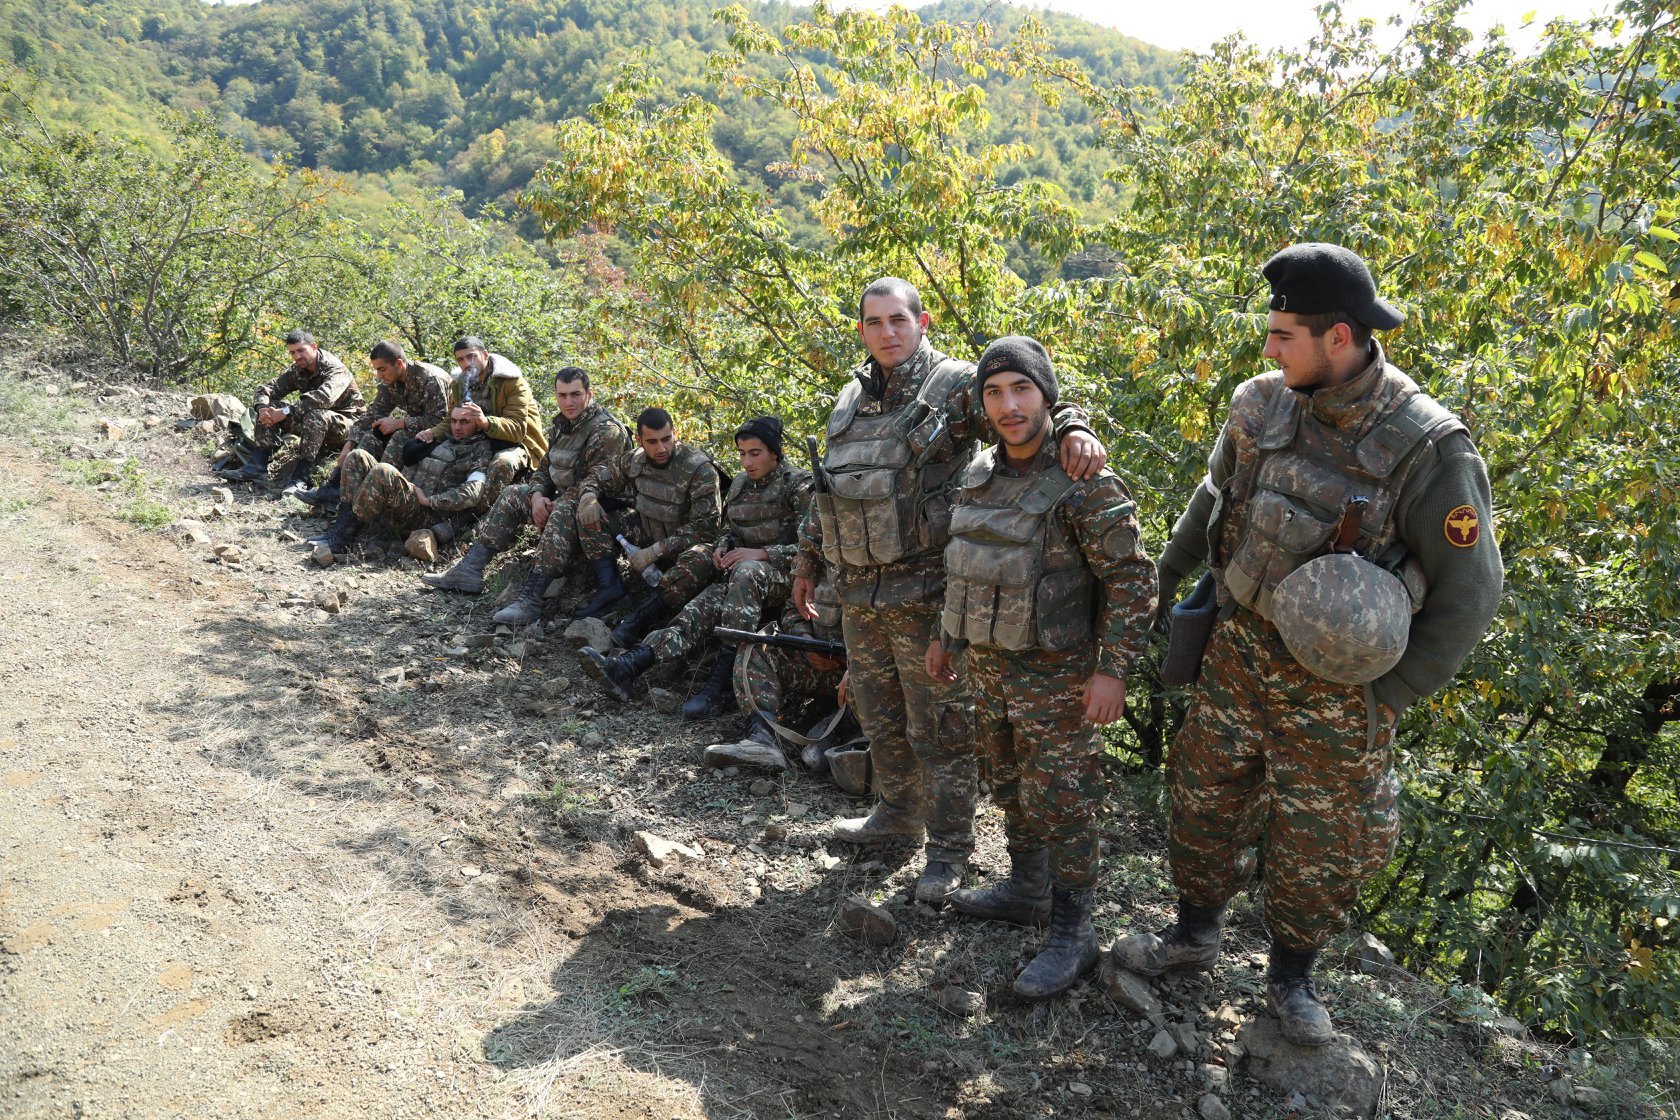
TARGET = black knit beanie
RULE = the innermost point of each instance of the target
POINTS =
(1018, 354)
(767, 429)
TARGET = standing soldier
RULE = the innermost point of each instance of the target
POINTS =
(582, 436)
(502, 406)
(667, 498)
(749, 572)
(902, 429)
(416, 389)
(453, 479)
(1347, 521)
(328, 403)
(1049, 590)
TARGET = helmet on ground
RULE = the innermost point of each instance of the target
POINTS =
(1343, 617)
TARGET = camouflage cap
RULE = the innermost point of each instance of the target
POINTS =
(1343, 618)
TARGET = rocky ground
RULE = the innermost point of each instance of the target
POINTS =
(289, 841)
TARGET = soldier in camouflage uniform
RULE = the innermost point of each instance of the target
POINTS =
(503, 407)
(583, 436)
(407, 385)
(902, 430)
(749, 566)
(453, 479)
(1337, 444)
(664, 496)
(1049, 591)
(328, 403)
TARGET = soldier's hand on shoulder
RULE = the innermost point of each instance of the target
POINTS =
(1083, 455)
(1105, 699)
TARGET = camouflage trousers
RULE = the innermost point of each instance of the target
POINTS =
(557, 544)
(314, 428)
(686, 574)
(918, 727)
(1272, 754)
(509, 464)
(380, 496)
(386, 449)
(752, 591)
(1039, 755)
(777, 681)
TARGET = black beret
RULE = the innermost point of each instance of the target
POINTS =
(766, 429)
(1316, 277)
(1017, 353)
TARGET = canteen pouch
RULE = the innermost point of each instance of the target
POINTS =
(1193, 618)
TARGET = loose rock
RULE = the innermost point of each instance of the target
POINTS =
(1212, 1108)
(662, 853)
(959, 1001)
(868, 923)
(591, 632)
(327, 601)
(664, 700)
(1340, 1074)
(1375, 958)
(1129, 990)
(216, 406)
(323, 556)
(230, 553)
(195, 530)
(1163, 1046)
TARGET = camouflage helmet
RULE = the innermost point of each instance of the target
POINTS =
(1343, 617)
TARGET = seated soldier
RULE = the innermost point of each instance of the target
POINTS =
(749, 577)
(407, 385)
(451, 479)
(772, 684)
(582, 436)
(502, 407)
(668, 497)
(328, 403)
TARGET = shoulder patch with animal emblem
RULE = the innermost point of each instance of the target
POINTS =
(1463, 527)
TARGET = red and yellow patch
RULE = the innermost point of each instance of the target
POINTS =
(1463, 527)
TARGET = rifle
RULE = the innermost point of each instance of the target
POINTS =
(819, 476)
(798, 642)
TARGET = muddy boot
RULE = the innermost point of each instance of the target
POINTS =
(717, 695)
(528, 607)
(254, 470)
(1190, 944)
(325, 495)
(343, 533)
(1069, 951)
(1291, 996)
(881, 826)
(758, 750)
(616, 672)
(467, 574)
(649, 613)
(939, 880)
(609, 590)
(1023, 899)
(850, 768)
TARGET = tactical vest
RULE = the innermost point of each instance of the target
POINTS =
(1304, 472)
(1012, 578)
(885, 500)
(760, 516)
(662, 500)
(565, 449)
(449, 463)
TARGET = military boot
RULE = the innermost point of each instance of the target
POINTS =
(325, 495)
(758, 750)
(649, 613)
(255, 468)
(1069, 951)
(882, 826)
(1291, 996)
(718, 693)
(297, 481)
(939, 880)
(345, 529)
(1023, 899)
(1190, 944)
(616, 672)
(528, 607)
(467, 574)
(609, 590)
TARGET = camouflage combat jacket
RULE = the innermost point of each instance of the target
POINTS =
(766, 514)
(510, 411)
(330, 385)
(420, 395)
(676, 503)
(452, 475)
(576, 446)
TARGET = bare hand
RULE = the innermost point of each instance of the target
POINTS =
(541, 507)
(1105, 699)
(589, 512)
(388, 424)
(804, 592)
(268, 417)
(1083, 455)
(420, 497)
(1390, 716)
(426, 436)
(840, 693)
(735, 555)
(823, 663)
(476, 415)
(937, 662)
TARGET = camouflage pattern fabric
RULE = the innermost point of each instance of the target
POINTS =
(510, 411)
(314, 428)
(385, 449)
(752, 592)
(918, 727)
(382, 496)
(777, 681)
(1039, 755)
(419, 396)
(686, 574)
(330, 386)
(1270, 753)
